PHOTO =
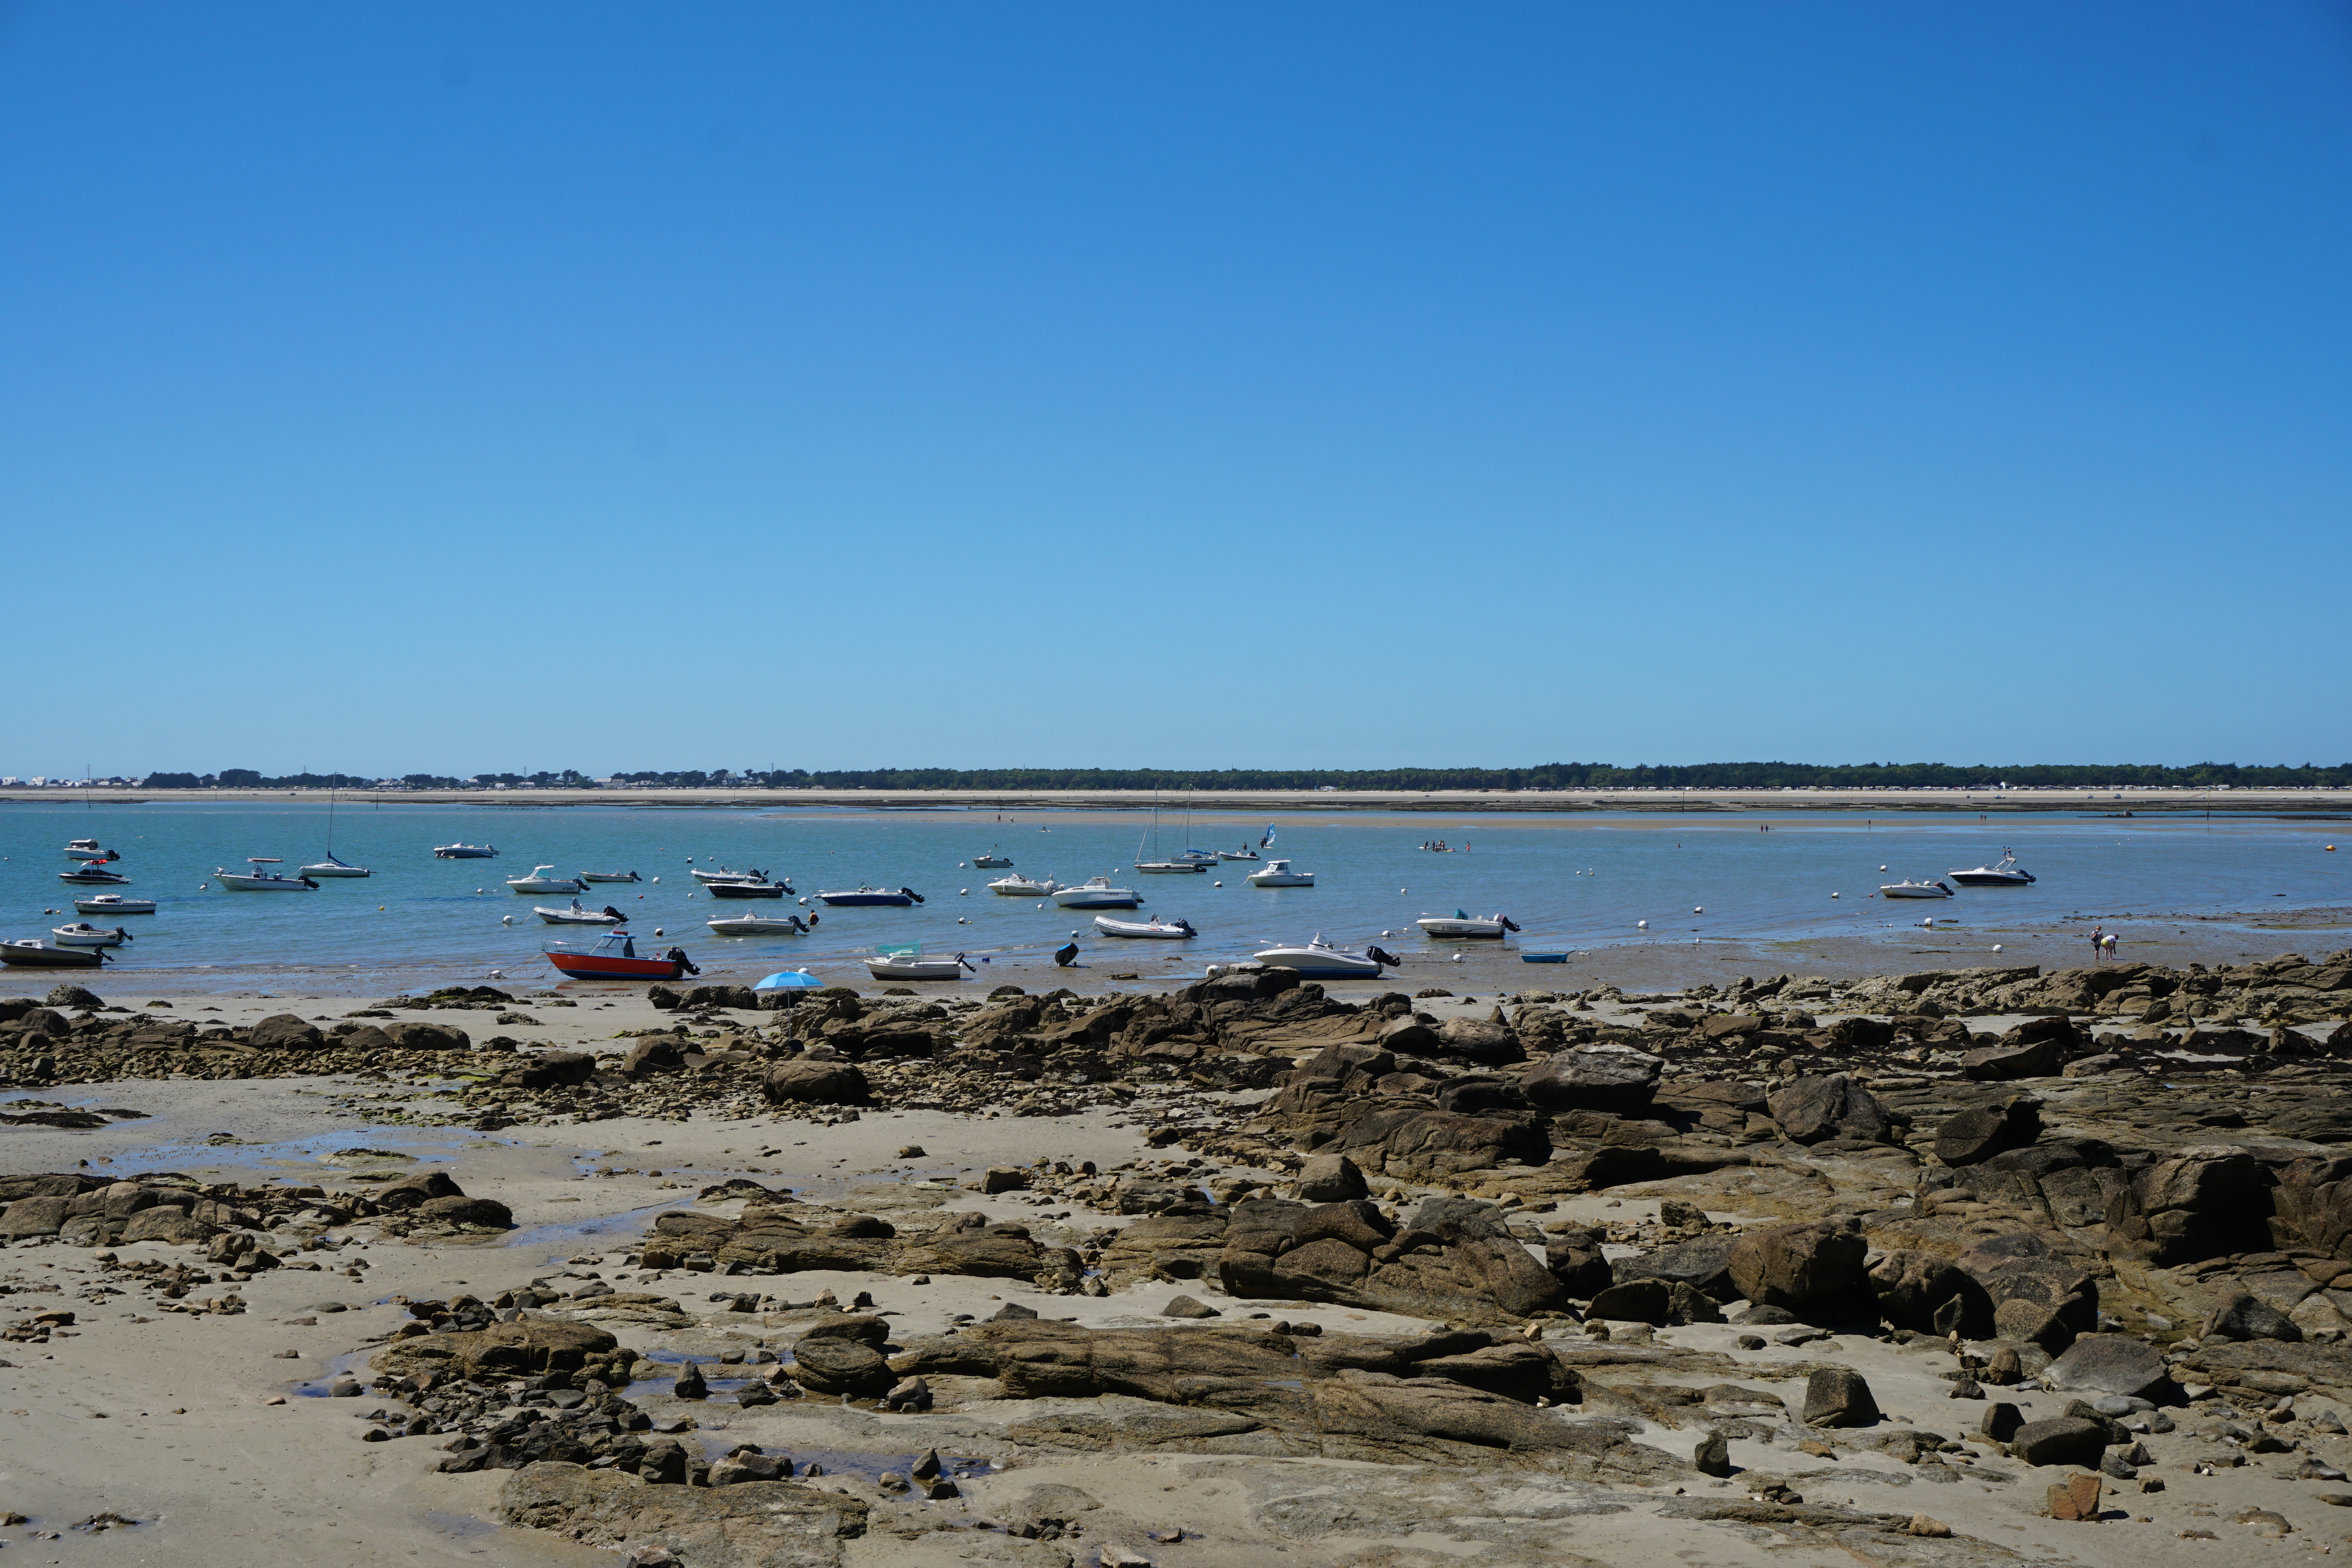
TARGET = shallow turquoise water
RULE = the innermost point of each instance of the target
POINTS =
(418, 920)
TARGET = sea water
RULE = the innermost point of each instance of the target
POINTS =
(1570, 880)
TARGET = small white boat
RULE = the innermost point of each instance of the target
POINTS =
(1171, 868)
(1172, 930)
(748, 888)
(113, 904)
(706, 875)
(578, 914)
(88, 850)
(465, 851)
(2006, 872)
(909, 964)
(330, 866)
(865, 897)
(1096, 893)
(991, 861)
(1462, 923)
(31, 953)
(259, 880)
(1277, 874)
(759, 925)
(92, 874)
(82, 934)
(610, 876)
(1319, 960)
(1023, 887)
(535, 882)
(1909, 889)
(1237, 854)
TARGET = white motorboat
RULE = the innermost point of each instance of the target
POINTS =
(1023, 887)
(706, 875)
(2005, 872)
(610, 876)
(1237, 854)
(535, 882)
(1277, 874)
(92, 874)
(1909, 889)
(759, 925)
(749, 888)
(578, 914)
(330, 866)
(1319, 960)
(865, 897)
(991, 861)
(113, 904)
(31, 953)
(909, 964)
(82, 934)
(1462, 923)
(1096, 893)
(1172, 930)
(465, 851)
(1170, 868)
(88, 850)
(259, 880)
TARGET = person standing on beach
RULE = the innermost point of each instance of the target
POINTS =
(2111, 943)
(2098, 943)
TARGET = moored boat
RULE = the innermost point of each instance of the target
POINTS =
(614, 956)
(862, 896)
(708, 874)
(578, 914)
(260, 881)
(1461, 923)
(758, 926)
(29, 952)
(1244, 853)
(113, 904)
(1023, 887)
(762, 889)
(92, 874)
(82, 934)
(1277, 874)
(535, 882)
(88, 850)
(910, 964)
(330, 866)
(1317, 959)
(465, 851)
(1909, 889)
(1096, 893)
(610, 876)
(991, 861)
(2003, 873)
(1172, 930)
(1171, 868)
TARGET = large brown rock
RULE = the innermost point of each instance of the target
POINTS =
(1928, 1294)
(34, 1217)
(472, 1213)
(2314, 1201)
(1590, 1079)
(830, 1365)
(175, 1225)
(1455, 1261)
(1971, 1138)
(1792, 1265)
(1813, 1110)
(415, 1191)
(816, 1082)
(284, 1031)
(751, 1525)
(528, 1345)
(2202, 1203)
(1431, 1145)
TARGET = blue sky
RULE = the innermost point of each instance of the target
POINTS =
(467, 388)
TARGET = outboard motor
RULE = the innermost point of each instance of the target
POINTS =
(1509, 923)
(616, 914)
(796, 923)
(677, 956)
(1066, 953)
(1186, 926)
(1380, 955)
(910, 892)
(308, 884)
(788, 890)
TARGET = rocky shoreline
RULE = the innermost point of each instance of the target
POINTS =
(1244, 1273)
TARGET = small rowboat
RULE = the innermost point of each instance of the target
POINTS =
(30, 954)
(82, 934)
(1461, 923)
(577, 914)
(615, 957)
(610, 876)
(1543, 958)
(992, 862)
(1174, 930)
(758, 926)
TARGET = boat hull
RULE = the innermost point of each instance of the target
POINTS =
(923, 969)
(1930, 891)
(1543, 958)
(65, 938)
(100, 907)
(596, 967)
(754, 925)
(992, 862)
(1466, 929)
(609, 876)
(866, 900)
(336, 871)
(567, 917)
(1991, 879)
(1321, 965)
(94, 878)
(465, 852)
(1287, 879)
(1009, 889)
(745, 889)
(564, 885)
(1170, 868)
(232, 882)
(1141, 929)
(41, 956)
(1113, 898)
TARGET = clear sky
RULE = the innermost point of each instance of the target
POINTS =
(455, 388)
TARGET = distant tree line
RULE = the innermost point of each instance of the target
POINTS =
(1548, 776)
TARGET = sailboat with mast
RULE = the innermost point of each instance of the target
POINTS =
(330, 866)
(1155, 865)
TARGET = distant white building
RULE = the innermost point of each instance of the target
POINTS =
(38, 780)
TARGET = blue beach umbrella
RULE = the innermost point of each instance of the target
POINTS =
(783, 979)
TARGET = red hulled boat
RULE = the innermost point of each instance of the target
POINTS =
(614, 956)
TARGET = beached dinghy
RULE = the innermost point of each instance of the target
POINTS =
(2007, 872)
(1173, 930)
(1908, 889)
(614, 956)
(610, 876)
(758, 926)
(260, 881)
(909, 964)
(1277, 874)
(113, 904)
(577, 914)
(1318, 961)
(1096, 893)
(535, 882)
(1462, 923)
(30, 954)
(861, 897)
(465, 851)
(92, 874)
(82, 934)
